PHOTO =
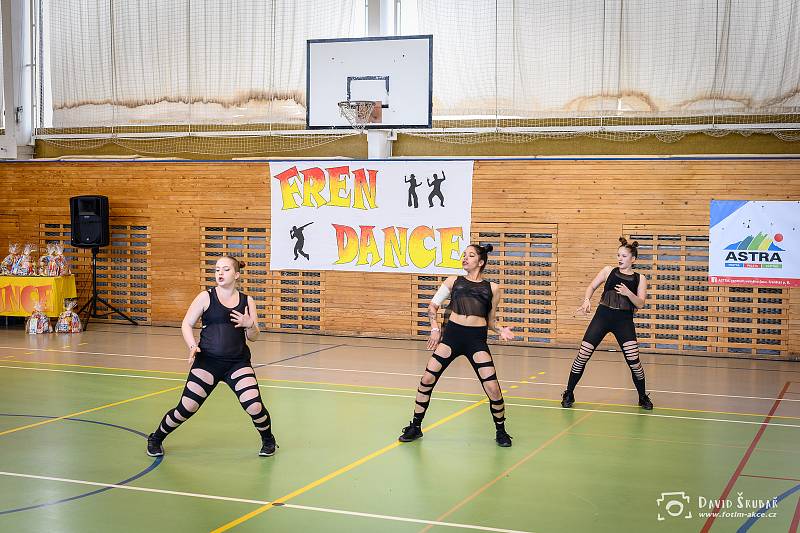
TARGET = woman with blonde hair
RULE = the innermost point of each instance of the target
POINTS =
(230, 319)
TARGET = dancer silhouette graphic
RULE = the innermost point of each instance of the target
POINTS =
(297, 233)
(436, 192)
(412, 191)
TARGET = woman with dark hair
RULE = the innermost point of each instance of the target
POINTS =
(473, 307)
(624, 291)
(230, 319)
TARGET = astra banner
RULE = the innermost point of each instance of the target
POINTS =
(754, 243)
(370, 216)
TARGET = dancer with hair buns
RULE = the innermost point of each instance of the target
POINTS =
(473, 307)
(230, 319)
(624, 291)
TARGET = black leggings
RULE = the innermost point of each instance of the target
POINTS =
(605, 321)
(468, 341)
(205, 374)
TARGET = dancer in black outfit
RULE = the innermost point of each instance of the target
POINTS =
(624, 292)
(473, 304)
(229, 319)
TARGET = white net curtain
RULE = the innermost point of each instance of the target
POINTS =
(109, 63)
(511, 63)
(616, 58)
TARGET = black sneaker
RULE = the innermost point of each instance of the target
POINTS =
(567, 399)
(268, 446)
(154, 448)
(503, 439)
(645, 403)
(410, 432)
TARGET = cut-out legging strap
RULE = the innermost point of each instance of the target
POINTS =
(471, 342)
(203, 377)
(620, 324)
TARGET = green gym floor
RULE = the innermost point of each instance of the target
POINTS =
(75, 411)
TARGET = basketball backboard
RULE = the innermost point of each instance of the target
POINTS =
(397, 71)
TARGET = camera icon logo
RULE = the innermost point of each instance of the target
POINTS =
(674, 504)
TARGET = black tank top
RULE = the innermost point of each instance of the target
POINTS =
(612, 298)
(471, 298)
(220, 338)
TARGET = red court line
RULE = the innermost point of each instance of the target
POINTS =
(771, 477)
(796, 519)
(745, 459)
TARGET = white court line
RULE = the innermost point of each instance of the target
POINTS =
(94, 353)
(90, 373)
(363, 393)
(261, 502)
(471, 378)
(534, 382)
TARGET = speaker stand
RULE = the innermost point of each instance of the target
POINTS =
(94, 299)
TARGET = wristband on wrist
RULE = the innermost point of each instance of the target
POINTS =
(435, 329)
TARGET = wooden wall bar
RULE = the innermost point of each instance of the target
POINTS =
(554, 224)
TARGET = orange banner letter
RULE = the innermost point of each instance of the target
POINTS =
(346, 243)
(420, 255)
(449, 240)
(289, 187)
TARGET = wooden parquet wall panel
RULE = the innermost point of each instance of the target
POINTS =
(556, 223)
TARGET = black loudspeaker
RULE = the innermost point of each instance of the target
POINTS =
(89, 220)
(88, 217)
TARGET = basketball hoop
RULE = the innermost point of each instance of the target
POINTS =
(357, 112)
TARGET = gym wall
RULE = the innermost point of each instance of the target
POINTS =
(554, 224)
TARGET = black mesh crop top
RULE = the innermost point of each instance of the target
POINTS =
(220, 338)
(612, 298)
(471, 298)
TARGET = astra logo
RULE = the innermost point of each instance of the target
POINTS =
(763, 257)
(761, 248)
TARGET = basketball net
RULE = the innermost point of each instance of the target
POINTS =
(357, 112)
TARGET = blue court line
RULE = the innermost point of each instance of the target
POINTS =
(753, 519)
(304, 354)
(147, 470)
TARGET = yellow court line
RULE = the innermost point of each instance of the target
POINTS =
(51, 420)
(340, 471)
(261, 379)
(762, 415)
(691, 443)
(103, 367)
(371, 387)
(510, 469)
(404, 389)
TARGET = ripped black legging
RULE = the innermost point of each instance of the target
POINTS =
(620, 323)
(205, 374)
(468, 341)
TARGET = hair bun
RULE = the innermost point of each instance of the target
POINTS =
(242, 264)
(488, 248)
(635, 244)
(623, 241)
